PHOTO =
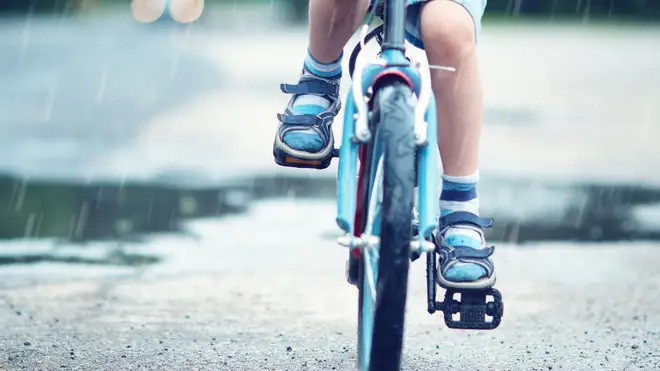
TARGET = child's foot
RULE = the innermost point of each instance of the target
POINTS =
(305, 129)
(464, 256)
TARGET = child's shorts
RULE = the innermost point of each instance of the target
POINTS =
(476, 9)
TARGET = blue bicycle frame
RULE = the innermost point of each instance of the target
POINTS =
(391, 62)
(356, 132)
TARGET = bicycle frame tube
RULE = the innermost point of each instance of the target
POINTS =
(427, 174)
(348, 171)
(392, 61)
(395, 21)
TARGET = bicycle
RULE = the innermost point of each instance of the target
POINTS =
(395, 142)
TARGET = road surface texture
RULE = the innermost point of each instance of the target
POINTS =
(569, 154)
(239, 299)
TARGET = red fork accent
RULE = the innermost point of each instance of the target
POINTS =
(360, 200)
(394, 72)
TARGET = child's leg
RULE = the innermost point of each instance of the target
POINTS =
(331, 25)
(305, 127)
(448, 30)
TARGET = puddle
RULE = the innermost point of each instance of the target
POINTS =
(528, 210)
(119, 259)
(89, 224)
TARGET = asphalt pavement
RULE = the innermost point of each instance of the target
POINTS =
(569, 143)
(243, 295)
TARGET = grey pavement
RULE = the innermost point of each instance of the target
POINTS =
(233, 299)
(114, 100)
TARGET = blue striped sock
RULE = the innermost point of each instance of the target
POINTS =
(330, 70)
(459, 194)
(314, 104)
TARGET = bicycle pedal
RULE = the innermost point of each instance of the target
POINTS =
(299, 162)
(473, 309)
(290, 161)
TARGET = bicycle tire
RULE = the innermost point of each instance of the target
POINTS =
(394, 134)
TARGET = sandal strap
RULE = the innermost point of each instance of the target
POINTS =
(311, 86)
(458, 218)
(305, 120)
(465, 252)
(449, 257)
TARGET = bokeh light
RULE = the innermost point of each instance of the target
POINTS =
(182, 11)
(186, 11)
(147, 11)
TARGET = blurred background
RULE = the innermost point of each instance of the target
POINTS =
(137, 135)
(121, 119)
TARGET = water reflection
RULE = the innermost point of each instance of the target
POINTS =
(106, 211)
(80, 213)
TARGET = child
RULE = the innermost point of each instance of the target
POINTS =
(447, 30)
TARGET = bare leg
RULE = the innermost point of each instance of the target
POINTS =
(449, 39)
(331, 25)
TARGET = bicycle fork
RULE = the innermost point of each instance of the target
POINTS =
(474, 310)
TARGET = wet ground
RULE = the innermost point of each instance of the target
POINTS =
(231, 296)
(145, 225)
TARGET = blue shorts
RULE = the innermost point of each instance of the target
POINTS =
(476, 9)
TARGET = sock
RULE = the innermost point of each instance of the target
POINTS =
(308, 140)
(460, 194)
(314, 104)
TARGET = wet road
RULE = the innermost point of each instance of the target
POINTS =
(146, 256)
(230, 298)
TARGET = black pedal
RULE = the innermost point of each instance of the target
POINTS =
(476, 312)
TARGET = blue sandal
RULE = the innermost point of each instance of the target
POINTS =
(315, 125)
(477, 270)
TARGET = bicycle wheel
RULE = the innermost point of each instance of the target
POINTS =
(384, 270)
